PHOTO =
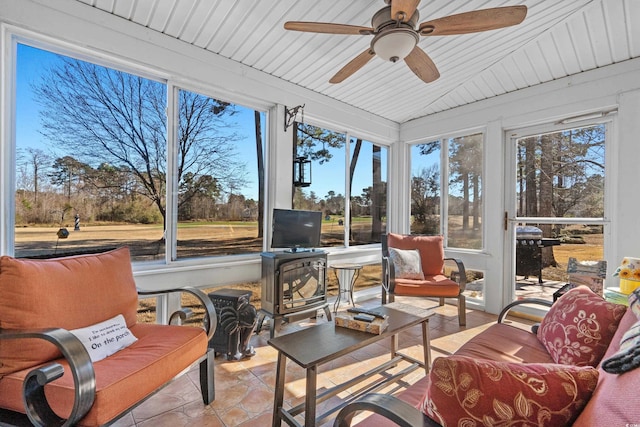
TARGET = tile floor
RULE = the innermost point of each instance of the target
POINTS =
(244, 389)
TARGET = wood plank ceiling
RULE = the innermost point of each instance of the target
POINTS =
(557, 39)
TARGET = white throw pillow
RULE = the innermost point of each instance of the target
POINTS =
(407, 263)
(105, 338)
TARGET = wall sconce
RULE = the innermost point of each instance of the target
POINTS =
(290, 115)
(301, 172)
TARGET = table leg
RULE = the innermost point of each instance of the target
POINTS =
(356, 273)
(426, 345)
(336, 305)
(394, 345)
(278, 399)
(310, 398)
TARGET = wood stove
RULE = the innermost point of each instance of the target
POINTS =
(293, 286)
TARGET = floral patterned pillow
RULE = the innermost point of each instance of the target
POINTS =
(464, 391)
(406, 263)
(579, 327)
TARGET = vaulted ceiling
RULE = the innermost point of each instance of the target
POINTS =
(556, 39)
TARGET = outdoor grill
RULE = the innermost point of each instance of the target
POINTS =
(529, 244)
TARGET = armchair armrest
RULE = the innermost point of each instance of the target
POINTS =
(37, 407)
(508, 307)
(458, 275)
(210, 318)
(387, 406)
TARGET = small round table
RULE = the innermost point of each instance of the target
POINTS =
(348, 274)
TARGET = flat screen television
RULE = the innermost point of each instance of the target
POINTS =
(296, 229)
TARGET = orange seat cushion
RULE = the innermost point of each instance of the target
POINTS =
(433, 286)
(123, 378)
(69, 293)
(430, 247)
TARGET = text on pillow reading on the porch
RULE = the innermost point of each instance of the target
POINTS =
(106, 334)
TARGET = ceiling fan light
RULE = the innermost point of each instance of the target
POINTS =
(394, 45)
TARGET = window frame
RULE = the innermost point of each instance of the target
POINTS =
(444, 183)
(173, 83)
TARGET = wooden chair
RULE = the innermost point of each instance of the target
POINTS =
(47, 373)
(437, 278)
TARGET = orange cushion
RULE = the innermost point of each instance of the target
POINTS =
(69, 293)
(432, 286)
(430, 247)
(122, 379)
(467, 391)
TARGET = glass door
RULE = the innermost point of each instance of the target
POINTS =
(556, 208)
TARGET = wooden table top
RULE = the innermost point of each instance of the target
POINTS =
(325, 342)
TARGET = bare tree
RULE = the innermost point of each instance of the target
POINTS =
(32, 164)
(102, 115)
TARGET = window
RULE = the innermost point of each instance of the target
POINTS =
(368, 192)
(92, 164)
(464, 228)
(425, 188)
(365, 184)
(91, 157)
(219, 192)
(559, 197)
(462, 167)
(327, 152)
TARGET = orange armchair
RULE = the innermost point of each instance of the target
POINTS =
(414, 265)
(47, 373)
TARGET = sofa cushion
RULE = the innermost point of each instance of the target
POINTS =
(505, 343)
(71, 293)
(434, 286)
(579, 327)
(614, 401)
(430, 247)
(123, 379)
(406, 263)
(467, 391)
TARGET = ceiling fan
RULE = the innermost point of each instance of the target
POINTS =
(396, 32)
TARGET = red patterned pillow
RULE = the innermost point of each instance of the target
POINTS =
(473, 392)
(579, 327)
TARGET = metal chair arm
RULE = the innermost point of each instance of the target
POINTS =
(387, 406)
(210, 318)
(507, 308)
(388, 274)
(34, 398)
(459, 275)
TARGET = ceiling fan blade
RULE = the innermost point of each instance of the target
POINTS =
(352, 66)
(404, 7)
(473, 22)
(422, 65)
(327, 27)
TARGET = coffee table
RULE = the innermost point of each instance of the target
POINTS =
(319, 344)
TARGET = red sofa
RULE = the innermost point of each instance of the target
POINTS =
(611, 403)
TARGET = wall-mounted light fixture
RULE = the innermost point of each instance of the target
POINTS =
(290, 115)
(301, 172)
